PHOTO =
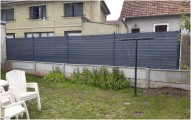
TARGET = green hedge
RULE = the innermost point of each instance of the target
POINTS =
(101, 78)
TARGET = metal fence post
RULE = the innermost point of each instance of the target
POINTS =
(33, 48)
(179, 50)
(68, 47)
(6, 42)
(114, 49)
(136, 52)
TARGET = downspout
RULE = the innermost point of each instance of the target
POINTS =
(92, 11)
(117, 27)
(54, 17)
(124, 22)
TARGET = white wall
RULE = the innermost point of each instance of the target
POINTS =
(146, 23)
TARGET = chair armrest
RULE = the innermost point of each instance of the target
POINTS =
(13, 104)
(33, 85)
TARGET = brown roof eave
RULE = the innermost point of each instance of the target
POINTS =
(106, 7)
(155, 16)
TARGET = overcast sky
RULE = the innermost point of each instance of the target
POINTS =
(115, 7)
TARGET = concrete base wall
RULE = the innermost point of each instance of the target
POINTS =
(146, 78)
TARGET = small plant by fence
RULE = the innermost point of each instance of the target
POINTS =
(55, 75)
(162, 52)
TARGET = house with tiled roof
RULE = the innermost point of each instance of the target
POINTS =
(153, 16)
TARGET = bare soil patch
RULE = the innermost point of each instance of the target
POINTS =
(167, 91)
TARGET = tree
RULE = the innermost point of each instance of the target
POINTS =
(185, 21)
(184, 24)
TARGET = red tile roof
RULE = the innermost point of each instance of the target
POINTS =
(153, 8)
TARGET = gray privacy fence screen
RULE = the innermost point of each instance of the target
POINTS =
(162, 52)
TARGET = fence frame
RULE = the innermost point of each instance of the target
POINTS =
(113, 46)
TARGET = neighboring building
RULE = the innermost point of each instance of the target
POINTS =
(153, 16)
(57, 18)
(3, 42)
(158, 16)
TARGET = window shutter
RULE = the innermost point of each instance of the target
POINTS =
(43, 12)
(3, 15)
(10, 14)
(68, 11)
(31, 15)
(78, 9)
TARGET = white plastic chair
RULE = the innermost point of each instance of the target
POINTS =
(2, 90)
(18, 86)
(11, 108)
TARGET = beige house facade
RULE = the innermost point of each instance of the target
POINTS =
(57, 18)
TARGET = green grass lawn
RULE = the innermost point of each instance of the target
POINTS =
(75, 101)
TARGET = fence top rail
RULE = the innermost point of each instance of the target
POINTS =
(101, 35)
(127, 39)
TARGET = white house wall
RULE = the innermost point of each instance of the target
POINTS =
(146, 24)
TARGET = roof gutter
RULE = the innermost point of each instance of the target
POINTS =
(155, 16)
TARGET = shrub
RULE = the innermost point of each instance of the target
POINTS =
(55, 75)
(119, 78)
(101, 78)
(81, 78)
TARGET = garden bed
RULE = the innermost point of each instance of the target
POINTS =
(77, 101)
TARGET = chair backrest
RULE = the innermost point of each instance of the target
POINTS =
(17, 78)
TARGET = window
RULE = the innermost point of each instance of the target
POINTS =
(73, 33)
(10, 35)
(161, 27)
(73, 9)
(37, 35)
(37, 12)
(7, 15)
(135, 30)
